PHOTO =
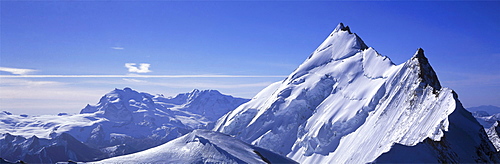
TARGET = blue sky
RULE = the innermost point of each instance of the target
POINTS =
(258, 39)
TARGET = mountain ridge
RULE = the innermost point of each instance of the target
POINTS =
(346, 98)
(122, 122)
(202, 146)
(345, 103)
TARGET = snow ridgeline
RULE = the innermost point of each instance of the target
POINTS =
(202, 146)
(123, 122)
(344, 104)
(348, 104)
(494, 135)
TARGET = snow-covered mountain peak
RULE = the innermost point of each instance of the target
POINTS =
(202, 146)
(203, 94)
(198, 108)
(348, 104)
(121, 101)
(425, 71)
(210, 103)
(185, 98)
(341, 27)
(124, 121)
(419, 53)
(339, 45)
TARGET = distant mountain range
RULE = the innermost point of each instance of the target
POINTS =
(124, 121)
(486, 115)
(345, 103)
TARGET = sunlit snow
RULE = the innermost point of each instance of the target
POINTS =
(348, 104)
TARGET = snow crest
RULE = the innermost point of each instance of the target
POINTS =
(202, 146)
(345, 103)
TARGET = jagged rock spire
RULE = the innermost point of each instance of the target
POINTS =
(348, 104)
(427, 74)
(341, 27)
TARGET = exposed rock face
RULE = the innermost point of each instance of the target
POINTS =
(348, 104)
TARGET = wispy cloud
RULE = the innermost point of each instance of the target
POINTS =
(212, 85)
(45, 97)
(18, 89)
(17, 71)
(186, 84)
(134, 80)
(142, 68)
(28, 83)
(54, 95)
(117, 48)
(208, 85)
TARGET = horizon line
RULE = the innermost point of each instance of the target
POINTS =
(140, 76)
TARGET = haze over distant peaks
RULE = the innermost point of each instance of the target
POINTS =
(345, 103)
(124, 121)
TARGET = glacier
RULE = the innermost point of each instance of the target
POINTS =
(123, 122)
(345, 103)
(348, 104)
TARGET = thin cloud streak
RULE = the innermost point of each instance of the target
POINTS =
(139, 76)
(28, 83)
(202, 85)
(17, 71)
(134, 80)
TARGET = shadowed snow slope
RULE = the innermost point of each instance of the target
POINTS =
(486, 115)
(38, 150)
(202, 146)
(348, 104)
(487, 108)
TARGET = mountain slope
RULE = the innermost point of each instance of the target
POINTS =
(126, 121)
(202, 146)
(486, 115)
(485, 119)
(348, 104)
(487, 108)
(36, 150)
(494, 135)
(464, 142)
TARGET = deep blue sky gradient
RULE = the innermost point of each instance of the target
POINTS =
(461, 39)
